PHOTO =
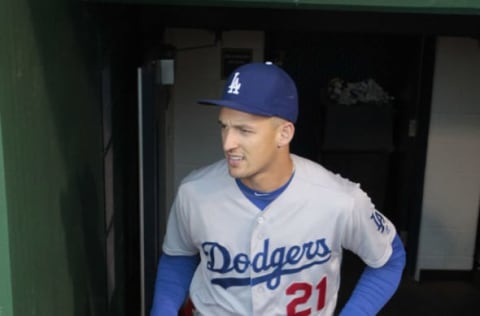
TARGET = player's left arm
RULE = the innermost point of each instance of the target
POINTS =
(377, 285)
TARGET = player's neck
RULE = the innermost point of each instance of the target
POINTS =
(269, 181)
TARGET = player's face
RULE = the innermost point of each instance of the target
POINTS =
(250, 144)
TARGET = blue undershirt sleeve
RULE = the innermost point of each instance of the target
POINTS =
(377, 285)
(174, 275)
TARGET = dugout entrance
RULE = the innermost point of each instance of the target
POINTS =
(395, 46)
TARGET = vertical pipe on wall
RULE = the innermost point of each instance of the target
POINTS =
(6, 308)
(141, 189)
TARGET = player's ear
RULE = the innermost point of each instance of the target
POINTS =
(285, 135)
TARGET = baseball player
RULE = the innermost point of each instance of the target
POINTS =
(262, 231)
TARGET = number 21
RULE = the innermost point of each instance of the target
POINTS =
(303, 292)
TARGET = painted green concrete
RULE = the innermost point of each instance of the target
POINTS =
(428, 6)
(6, 302)
(52, 168)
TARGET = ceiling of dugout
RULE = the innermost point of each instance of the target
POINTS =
(468, 7)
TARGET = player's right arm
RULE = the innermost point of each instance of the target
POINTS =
(174, 275)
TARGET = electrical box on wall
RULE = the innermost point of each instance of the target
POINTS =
(233, 58)
(165, 72)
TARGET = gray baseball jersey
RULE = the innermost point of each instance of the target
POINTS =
(284, 260)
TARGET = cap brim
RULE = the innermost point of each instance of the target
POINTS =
(234, 105)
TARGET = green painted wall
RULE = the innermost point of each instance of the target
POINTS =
(51, 177)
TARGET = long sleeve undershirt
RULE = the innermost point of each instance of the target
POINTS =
(377, 285)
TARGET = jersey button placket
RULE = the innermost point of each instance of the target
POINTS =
(259, 229)
(257, 246)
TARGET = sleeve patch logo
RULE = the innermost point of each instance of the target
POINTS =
(380, 222)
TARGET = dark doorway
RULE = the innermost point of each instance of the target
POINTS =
(372, 144)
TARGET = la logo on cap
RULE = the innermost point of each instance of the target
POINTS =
(235, 85)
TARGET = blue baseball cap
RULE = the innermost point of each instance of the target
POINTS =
(262, 89)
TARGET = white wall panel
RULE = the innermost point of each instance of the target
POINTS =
(196, 134)
(452, 180)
